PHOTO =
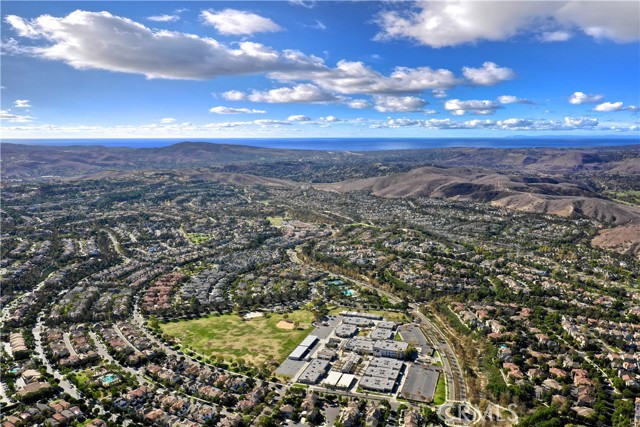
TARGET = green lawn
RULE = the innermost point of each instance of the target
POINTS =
(440, 395)
(256, 341)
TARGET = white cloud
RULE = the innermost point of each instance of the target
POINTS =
(555, 36)
(100, 40)
(399, 104)
(302, 93)
(515, 123)
(580, 122)
(228, 110)
(439, 93)
(510, 99)
(14, 118)
(578, 98)
(21, 103)
(359, 104)
(317, 25)
(167, 120)
(608, 106)
(450, 23)
(163, 18)
(270, 122)
(299, 118)
(238, 22)
(351, 78)
(614, 106)
(330, 119)
(481, 107)
(307, 4)
(234, 95)
(488, 75)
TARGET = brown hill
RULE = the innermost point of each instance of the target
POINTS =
(530, 194)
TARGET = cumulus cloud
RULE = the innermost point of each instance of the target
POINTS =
(100, 40)
(354, 77)
(271, 122)
(481, 107)
(488, 75)
(359, 104)
(608, 107)
(238, 22)
(234, 95)
(510, 99)
(439, 93)
(330, 119)
(513, 124)
(450, 23)
(399, 104)
(21, 103)
(167, 120)
(163, 18)
(580, 122)
(578, 98)
(228, 110)
(302, 93)
(14, 118)
(299, 118)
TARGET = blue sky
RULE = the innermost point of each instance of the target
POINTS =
(319, 69)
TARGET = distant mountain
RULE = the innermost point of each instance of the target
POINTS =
(30, 161)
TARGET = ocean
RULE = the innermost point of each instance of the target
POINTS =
(350, 144)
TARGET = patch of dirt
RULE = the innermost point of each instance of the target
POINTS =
(286, 324)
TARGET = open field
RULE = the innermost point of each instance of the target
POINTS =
(256, 341)
(392, 316)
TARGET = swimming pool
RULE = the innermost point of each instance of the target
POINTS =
(109, 378)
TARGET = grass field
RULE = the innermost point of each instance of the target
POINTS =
(256, 341)
(388, 315)
(440, 395)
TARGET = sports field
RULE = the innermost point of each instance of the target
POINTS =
(256, 341)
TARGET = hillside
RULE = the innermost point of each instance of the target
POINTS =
(524, 193)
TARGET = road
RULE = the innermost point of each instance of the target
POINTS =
(102, 352)
(116, 245)
(66, 386)
(455, 379)
(68, 344)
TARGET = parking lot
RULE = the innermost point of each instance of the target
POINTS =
(420, 384)
(412, 333)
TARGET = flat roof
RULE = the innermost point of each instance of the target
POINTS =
(346, 380)
(359, 344)
(332, 379)
(344, 329)
(386, 325)
(316, 369)
(377, 384)
(375, 371)
(298, 352)
(381, 334)
(386, 362)
(309, 341)
(390, 345)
